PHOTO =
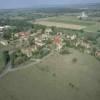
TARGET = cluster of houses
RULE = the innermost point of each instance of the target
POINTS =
(40, 37)
(37, 42)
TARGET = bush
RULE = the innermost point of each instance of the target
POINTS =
(19, 60)
(41, 53)
(74, 60)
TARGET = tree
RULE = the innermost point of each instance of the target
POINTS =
(74, 60)
(7, 34)
(6, 57)
(12, 58)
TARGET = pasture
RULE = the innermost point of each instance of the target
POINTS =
(56, 78)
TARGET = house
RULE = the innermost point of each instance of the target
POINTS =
(16, 35)
(27, 51)
(58, 42)
(85, 45)
(82, 43)
(73, 37)
(68, 36)
(78, 42)
(39, 42)
(48, 31)
(45, 36)
(23, 35)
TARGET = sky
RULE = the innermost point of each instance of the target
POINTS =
(5, 4)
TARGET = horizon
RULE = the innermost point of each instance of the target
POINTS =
(14, 4)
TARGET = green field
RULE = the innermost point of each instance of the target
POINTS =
(56, 78)
(91, 25)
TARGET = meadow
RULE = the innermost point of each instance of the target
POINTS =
(56, 78)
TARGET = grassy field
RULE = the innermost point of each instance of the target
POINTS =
(56, 78)
(90, 25)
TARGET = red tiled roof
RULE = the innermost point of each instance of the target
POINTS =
(23, 33)
(57, 39)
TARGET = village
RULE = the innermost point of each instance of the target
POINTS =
(28, 45)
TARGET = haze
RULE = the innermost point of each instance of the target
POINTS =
(5, 4)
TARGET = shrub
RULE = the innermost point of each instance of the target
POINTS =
(74, 60)
(19, 60)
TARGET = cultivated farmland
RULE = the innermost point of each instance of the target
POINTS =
(71, 22)
(60, 25)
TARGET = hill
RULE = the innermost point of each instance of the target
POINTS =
(56, 78)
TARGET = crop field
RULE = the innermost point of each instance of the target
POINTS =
(91, 25)
(56, 78)
(60, 25)
(71, 20)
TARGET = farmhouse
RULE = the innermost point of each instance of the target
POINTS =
(39, 42)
